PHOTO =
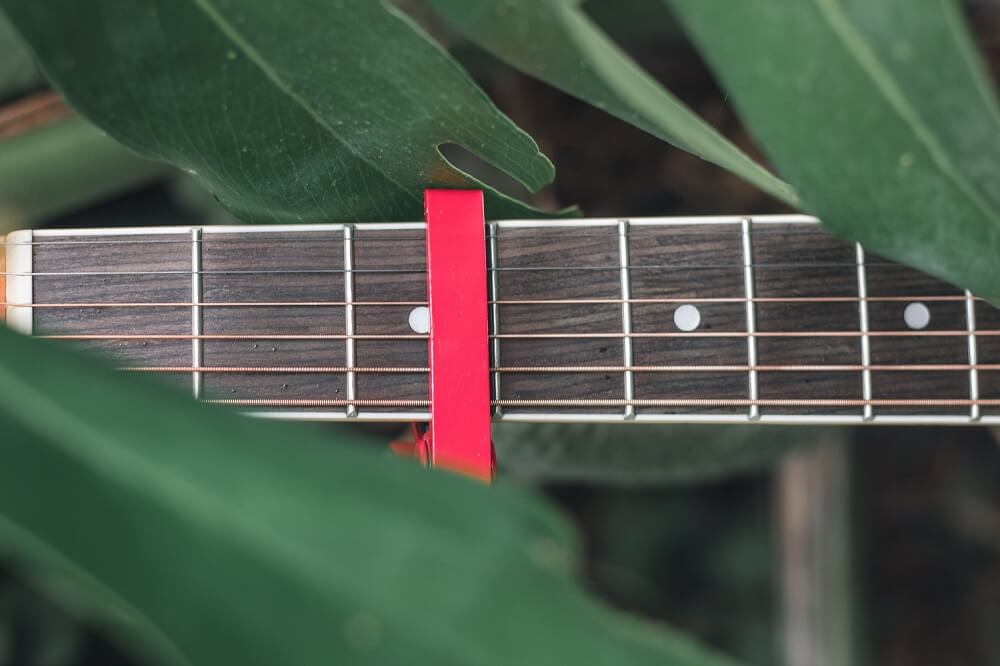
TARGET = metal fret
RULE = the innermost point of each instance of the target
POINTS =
(626, 294)
(493, 253)
(748, 283)
(866, 349)
(970, 320)
(197, 349)
(352, 381)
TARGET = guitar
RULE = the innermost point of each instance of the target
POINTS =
(726, 319)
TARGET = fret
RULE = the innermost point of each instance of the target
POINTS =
(572, 261)
(351, 379)
(987, 348)
(197, 355)
(866, 352)
(493, 263)
(795, 261)
(267, 266)
(748, 282)
(101, 285)
(970, 319)
(679, 264)
(886, 279)
(626, 294)
(911, 286)
(390, 264)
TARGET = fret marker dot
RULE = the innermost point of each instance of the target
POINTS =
(917, 316)
(687, 318)
(420, 319)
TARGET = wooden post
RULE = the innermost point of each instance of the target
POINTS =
(813, 507)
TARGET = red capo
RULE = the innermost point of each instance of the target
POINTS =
(458, 436)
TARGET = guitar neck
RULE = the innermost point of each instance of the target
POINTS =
(763, 319)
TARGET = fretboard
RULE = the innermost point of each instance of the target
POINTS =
(764, 319)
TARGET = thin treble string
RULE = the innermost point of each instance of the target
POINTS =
(787, 266)
(518, 302)
(568, 369)
(585, 335)
(556, 236)
(618, 403)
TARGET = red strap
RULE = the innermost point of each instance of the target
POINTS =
(459, 345)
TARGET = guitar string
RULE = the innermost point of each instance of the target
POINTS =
(607, 233)
(523, 336)
(581, 369)
(422, 270)
(511, 302)
(617, 402)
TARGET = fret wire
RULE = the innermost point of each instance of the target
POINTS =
(197, 351)
(863, 324)
(493, 254)
(970, 320)
(751, 318)
(349, 348)
(626, 294)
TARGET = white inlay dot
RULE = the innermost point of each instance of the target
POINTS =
(917, 316)
(420, 319)
(687, 318)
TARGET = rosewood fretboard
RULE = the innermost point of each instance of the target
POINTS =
(714, 319)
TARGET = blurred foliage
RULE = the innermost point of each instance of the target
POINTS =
(268, 515)
(18, 73)
(61, 167)
(641, 455)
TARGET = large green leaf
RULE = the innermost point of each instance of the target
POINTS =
(555, 41)
(643, 454)
(202, 537)
(294, 111)
(879, 113)
(17, 71)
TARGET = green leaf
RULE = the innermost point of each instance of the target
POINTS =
(879, 113)
(555, 41)
(61, 167)
(17, 70)
(295, 111)
(636, 455)
(202, 537)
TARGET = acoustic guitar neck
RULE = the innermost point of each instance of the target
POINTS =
(728, 319)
